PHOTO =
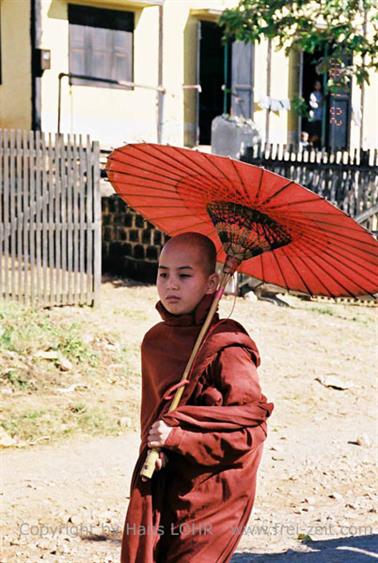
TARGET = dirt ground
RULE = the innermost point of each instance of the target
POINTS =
(65, 501)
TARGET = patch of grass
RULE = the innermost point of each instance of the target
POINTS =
(71, 345)
(16, 379)
(30, 424)
(27, 425)
(25, 330)
(325, 311)
(132, 314)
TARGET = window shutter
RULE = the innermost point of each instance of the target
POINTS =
(122, 56)
(101, 45)
(99, 52)
(77, 51)
(242, 78)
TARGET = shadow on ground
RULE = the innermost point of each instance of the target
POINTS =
(356, 549)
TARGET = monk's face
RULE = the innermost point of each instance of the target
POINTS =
(182, 278)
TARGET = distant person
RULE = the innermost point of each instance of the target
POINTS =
(199, 499)
(304, 143)
(316, 103)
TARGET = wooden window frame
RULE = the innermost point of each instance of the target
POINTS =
(106, 19)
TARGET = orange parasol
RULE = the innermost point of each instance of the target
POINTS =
(262, 224)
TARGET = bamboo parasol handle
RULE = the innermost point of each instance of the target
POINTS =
(153, 454)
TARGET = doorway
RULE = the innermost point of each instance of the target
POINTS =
(211, 78)
(314, 126)
(333, 128)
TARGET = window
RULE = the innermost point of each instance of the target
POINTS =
(100, 45)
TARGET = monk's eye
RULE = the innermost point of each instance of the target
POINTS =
(162, 275)
(185, 276)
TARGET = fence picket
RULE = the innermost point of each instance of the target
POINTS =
(89, 221)
(49, 219)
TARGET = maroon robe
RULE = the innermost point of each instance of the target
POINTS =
(194, 509)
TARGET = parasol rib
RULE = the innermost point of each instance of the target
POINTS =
(278, 192)
(335, 259)
(259, 185)
(286, 285)
(247, 195)
(312, 272)
(326, 271)
(336, 253)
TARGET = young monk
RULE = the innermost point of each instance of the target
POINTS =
(195, 506)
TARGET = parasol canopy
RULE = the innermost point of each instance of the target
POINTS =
(280, 232)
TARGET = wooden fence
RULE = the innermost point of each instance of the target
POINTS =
(50, 218)
(347, 179)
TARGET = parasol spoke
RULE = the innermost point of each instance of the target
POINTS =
(335, 281)
(168, 179)
(194, 160)
(246, 193)
(326, 270)
(312, 273)
(340, 237)
(273, 254)
(184, 229)
(333, 256)
(292, 203)
(339, 225)
(259, 185)
(275, 194)
(299, 274)
(363, 258)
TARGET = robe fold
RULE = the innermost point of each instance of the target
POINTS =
(194, 509)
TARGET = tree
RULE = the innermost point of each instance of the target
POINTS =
(345, 31)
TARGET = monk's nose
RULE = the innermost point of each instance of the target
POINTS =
(172, 283)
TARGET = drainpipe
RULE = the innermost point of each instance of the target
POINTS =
(268, 88)
(35, 40)
(161, 92)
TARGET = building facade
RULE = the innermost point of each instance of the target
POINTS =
(143, 70)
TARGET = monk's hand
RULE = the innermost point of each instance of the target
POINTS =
(162, 461)
(159, 464)
(158, 434)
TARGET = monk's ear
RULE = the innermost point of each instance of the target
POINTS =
(212, 283)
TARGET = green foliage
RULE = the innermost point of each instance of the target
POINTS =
(299, 105)
(343, 30)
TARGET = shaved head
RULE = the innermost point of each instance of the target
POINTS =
(186, 272)
(205, 247)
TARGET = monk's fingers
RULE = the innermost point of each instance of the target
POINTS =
(158, 464)
(154, 444)
(156, 437)
(164, 459)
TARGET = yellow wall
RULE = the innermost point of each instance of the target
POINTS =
(117, 116)
(110, 115)
(15, 89)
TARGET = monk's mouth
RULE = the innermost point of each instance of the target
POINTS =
(172, 298)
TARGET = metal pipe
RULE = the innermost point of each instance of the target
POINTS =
(61, 75)
(35, 38)
(268, 88)
(160, 95)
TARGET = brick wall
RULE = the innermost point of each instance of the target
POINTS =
(130, 245)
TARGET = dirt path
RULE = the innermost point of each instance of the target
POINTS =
(66, 502)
